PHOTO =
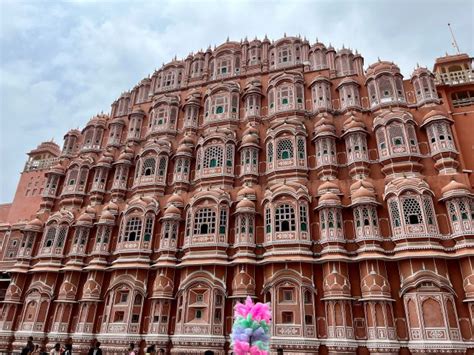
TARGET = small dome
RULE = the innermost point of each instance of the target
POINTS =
(245, 191)
(328, 186)
(454, 188)
(329, 199)
(435, 115)
(176, 200)
(172, 211)
(35, 225)
(243, 285)
(250, 139)
(138, 111)
(382, 66)
(245, 204)
(354, 123)
(362, 183)
(362, 195)
(73, 132)
(325, 126)
(85, 219)
(57, 169)
(112, 207)
(184, 149)
(421, 71)
(106, 217)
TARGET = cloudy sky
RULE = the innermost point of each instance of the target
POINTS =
(62, 62)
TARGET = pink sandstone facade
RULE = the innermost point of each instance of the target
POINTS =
(278, 170)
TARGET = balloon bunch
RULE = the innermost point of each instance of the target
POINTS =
(251, 329)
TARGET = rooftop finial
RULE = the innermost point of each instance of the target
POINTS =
(227, 40)
(284, 35)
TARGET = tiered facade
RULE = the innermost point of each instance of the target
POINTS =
(278, 170)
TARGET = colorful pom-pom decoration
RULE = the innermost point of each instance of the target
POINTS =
(251, 329)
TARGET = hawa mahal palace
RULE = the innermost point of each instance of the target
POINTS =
(280, 170)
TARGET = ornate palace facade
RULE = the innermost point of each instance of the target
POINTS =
(278, 170)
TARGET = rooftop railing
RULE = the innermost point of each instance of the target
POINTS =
(455, 77)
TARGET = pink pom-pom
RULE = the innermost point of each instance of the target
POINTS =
(243, 309)
(241, 347)
(254, 350)
(261, 311)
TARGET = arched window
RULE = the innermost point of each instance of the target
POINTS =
(213, 156)
(285, 218)
(204, 221)
(412, 211)
(148, 167)
(285, 149)
(133, 229)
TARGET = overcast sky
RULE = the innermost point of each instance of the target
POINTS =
(61, 63)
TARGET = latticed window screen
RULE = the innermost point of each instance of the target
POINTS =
(285, 95)
(373, 213)
(174, 230)
(178, 166)
(243, 224)
(395, 132)
(463, 210)
(133, 229)
(395, 213)
(411, 135)
(103, 235)
(452, 211)
(222, 221)
(412, 211)
(301, 150)
(365, 216)
(73, 176)
(188, 224)
(268, 221)
(186, 166)
(285, 149)
(229, 155)
(205, 221)
(303, 218)
(357, 217)
(213, 156)
(330, 219)
(285, 218)
(270, 152)
(62, 232)
(428, 207)
(322, 219)
(50, 234)
(148, 167)
(162, 166)
(148, 229)
(284, 55)
(381, 139)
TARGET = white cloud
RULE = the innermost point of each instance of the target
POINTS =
(62, 62)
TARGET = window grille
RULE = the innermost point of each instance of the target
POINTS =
(381, 139)
(148, 167)
(162, 166)
(270, 152)
(357, 217)
(285, 218)
(428, 206)
(301, 150)
(303, 218)
(463, 210)
(213, 156)
(395, 213)
(268, 221)
(133, 229)
(223, 221)
(229, 155)
(396, 134)
(285, 149)
(148, 229)
(373, 213)
(412, 211)
(50, 234)
(62, 232)
(205, 221)
(452, 211)
(188, 223)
